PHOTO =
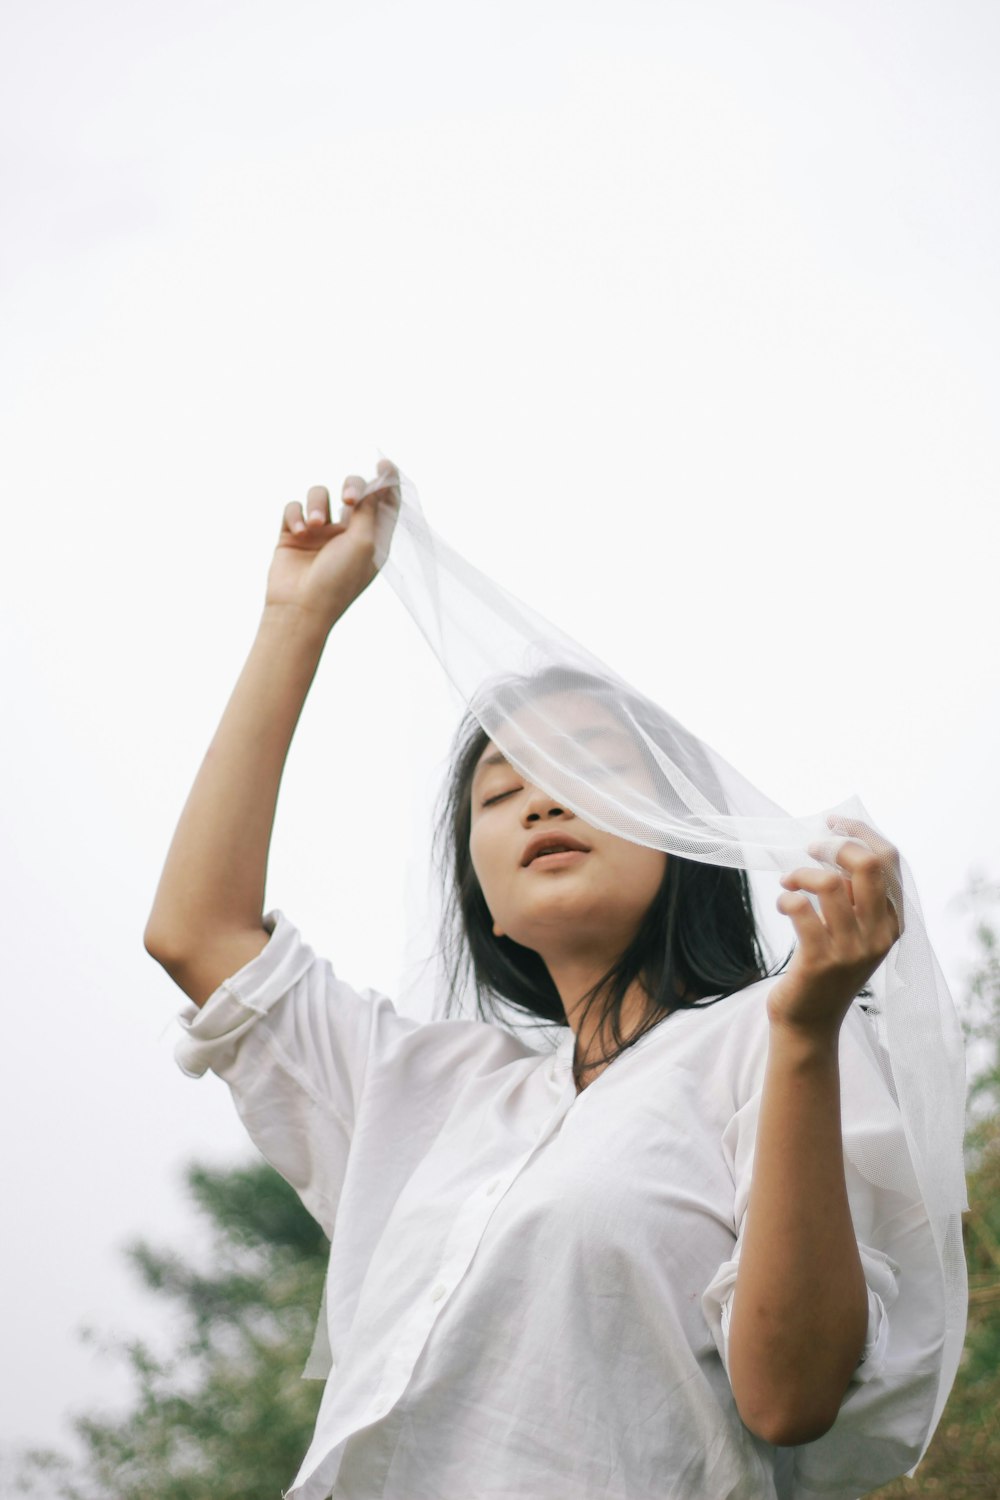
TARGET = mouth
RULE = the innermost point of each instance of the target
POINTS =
(558, 858)
(549, 848)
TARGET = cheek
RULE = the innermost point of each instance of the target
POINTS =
(480, 855)
(641, 875)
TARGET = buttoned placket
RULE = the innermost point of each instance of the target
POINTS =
(467, 1231)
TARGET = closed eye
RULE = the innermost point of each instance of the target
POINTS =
(501, 795)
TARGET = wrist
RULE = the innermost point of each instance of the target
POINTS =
(798, 1045)
(296, 623)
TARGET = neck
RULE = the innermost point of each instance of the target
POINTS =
(573, 978)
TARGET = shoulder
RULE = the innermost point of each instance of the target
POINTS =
(726, 1040)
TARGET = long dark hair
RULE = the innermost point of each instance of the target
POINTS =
(697, 943)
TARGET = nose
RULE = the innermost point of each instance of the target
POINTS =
(539, 804)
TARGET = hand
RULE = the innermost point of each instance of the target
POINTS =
(839, 949)
(321, 566)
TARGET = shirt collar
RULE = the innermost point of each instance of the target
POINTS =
(562, 1058)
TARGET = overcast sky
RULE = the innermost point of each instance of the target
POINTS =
(683, 318)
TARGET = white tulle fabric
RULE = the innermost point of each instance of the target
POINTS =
(541, 696)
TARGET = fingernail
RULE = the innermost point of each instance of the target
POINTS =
(351, 494)
(298, 525)
(316, 515)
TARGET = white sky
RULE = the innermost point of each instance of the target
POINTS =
(683, 317)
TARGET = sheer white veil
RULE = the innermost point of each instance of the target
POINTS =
(493, 648)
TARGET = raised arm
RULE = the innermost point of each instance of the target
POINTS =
(206, 920)
(800, 1307)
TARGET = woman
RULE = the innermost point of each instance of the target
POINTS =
(682, 1282)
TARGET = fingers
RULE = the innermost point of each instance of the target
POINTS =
(861, 833)
(384, 488)
(351, 494)
(833, 893)
(387, 474)
(840, 933)
(887, 855)
(809, 928)
(353, 489)
(868, 883)
(315, 518)
(356, 490)
(293, 520)
(869, 859)
(855, 904)
(364, 496)
(318, 506)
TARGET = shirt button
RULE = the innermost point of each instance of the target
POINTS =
(438, 1292)
(493, 1186)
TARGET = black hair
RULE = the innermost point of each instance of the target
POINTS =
(696, 944)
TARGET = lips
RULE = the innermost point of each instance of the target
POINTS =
(551, 843)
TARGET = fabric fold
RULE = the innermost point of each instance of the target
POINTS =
(535, 691)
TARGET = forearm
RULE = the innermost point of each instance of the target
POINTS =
(799, 1313)
(216, 867)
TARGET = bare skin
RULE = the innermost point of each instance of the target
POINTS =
(206, 920)
(799, 1313)
(800, 1309)
(578, 915)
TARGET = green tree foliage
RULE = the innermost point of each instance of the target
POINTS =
(227, 1415)
(963, 1461)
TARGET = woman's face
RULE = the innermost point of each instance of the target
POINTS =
(588, 903)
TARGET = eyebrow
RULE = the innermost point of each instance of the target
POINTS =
(583, 735)
(490, 760)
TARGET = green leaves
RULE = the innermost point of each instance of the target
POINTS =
(225, 1415)
(964, 1459)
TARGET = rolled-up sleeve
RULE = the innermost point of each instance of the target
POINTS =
(292, 1042)
(886, 1411)
(880, 1277)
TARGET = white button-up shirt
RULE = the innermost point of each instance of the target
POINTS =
(529, 1289)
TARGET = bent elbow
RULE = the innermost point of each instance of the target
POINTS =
(789, 1427)
(160, 946)
(152, 942)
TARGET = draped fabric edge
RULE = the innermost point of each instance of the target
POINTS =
(485, 638)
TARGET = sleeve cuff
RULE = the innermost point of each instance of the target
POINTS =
(881, 1274)
(212, 1033)
(716, 1304)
